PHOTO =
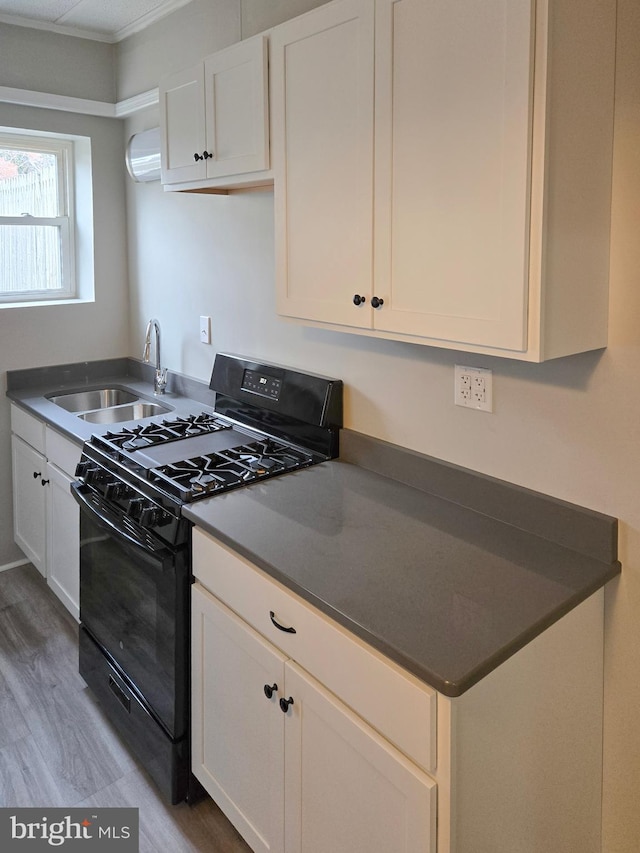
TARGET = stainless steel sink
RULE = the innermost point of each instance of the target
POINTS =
(101, 398)
(118, 414)
(108, 405)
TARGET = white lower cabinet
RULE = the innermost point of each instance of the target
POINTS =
(46, 519)
(354, 762)
(63, 540)
(290, 765)
(238, 733)
(347, 789)
(29, 501)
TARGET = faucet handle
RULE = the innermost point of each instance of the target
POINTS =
(160, 381)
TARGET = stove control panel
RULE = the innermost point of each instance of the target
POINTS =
(262, 384)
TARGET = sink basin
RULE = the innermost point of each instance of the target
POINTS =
(102, 398)
(118, 414)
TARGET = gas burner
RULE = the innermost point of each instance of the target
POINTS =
(201, 476)
(237, 466)
(267, 456)
(147, 435)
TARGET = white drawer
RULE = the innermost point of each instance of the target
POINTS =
(62, 452)
(400, 706)
(29, 429)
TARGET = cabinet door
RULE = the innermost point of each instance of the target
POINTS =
(63, 540)
(236, 109)
(453, 130)
(347, 789)
(29, 501)
(322, 153)
(182, 126)
(238, 732)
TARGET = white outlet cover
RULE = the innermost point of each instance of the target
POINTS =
(473, 388)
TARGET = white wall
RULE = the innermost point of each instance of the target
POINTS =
(58, 334)
(569, 428)
(41, 61)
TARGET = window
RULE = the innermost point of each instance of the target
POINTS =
(36, 219)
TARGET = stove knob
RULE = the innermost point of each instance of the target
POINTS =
(151, 516)
(82, 467)
(93, 475)
(115, 489)
(135, 506)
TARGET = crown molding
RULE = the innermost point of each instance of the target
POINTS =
(137, 103)
(30, 23)
(148, 19)
(110, 38)
(65, 103)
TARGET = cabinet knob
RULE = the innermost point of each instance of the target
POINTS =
(280, 627)
(44, 482)
(377, 303)
(358, 300)
(284, 704)
(197, 157)
(37, 474)
(207, 155)
(270, 689)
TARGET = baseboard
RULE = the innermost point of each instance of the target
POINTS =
(15, 565)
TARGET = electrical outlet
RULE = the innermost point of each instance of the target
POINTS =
(473, 388)
(205, 330)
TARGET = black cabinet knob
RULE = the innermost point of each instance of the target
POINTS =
(37, 474)
(358, 300)
(197, 157)
(207, 155)
(270, 689)
(377, 303)
(44, 482)
(284, 704)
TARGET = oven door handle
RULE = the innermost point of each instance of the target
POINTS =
(107, 524)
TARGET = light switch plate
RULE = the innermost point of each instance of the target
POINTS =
(205, 330)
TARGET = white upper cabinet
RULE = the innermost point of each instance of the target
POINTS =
(214, 119)
(453, 121)
(465, 204)
(322, 130)
(182, 126)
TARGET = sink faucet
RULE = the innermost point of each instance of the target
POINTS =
(160, 377)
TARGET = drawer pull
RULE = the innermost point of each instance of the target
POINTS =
(280, 627)
(284, 704)
(270, 689)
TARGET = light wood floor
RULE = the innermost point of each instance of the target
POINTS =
(56, 746)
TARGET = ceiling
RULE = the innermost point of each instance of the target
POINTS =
(103, 20)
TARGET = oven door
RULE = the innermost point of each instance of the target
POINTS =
(134, 604)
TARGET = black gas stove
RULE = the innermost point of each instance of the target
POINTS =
(135, 569)
(267, 421)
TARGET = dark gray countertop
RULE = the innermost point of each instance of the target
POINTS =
(446, 571)
(446, 591)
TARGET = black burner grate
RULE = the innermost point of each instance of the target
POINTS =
(147, 435)
(203, 475)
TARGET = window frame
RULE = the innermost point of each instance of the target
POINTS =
(63, 150)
